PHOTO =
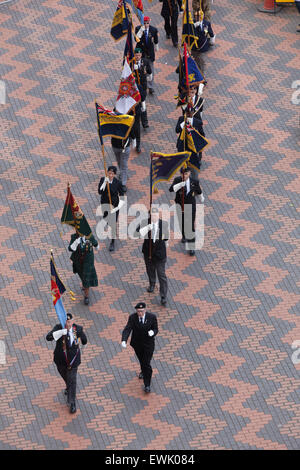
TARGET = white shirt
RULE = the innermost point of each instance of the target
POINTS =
(188, 185)
(70, 331)
(155, 231)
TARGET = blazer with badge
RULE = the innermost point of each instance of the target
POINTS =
(116, 190)
(147, 46)
(189, 198)
(204, 33)
(141, 73)
(158, 249)
(71, 351)
(140, 337)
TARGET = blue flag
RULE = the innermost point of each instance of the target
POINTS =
(164, 166)
(119, 25)
(195, 77)
(113, 124)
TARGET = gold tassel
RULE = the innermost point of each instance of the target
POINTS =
(155, 190)
(72, 295)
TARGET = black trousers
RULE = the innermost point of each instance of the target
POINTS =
(70, 379)
(136, 129)
(157, 267)
(144, 356)
(144, 118)
(186, 221)
(171, 27)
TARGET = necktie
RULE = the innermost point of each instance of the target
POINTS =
(69, 339)
(146, 34)
(141, 320)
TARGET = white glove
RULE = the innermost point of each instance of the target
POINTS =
(143, 106)
(201, 197)
(75, 244)
(197, 24)
(178, 186)
(156, 47)
(212, 40)
(106, 180)
(123, 344)
(59, 333)
(121, 204)
(140, 32)
(182, 125)
(145, 230)
(149, 77)
(136, 67)
(200, 89)
(98, 247)
(190, 121)
(150, 333)
(133, 143)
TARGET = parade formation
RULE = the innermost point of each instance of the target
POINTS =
(123, 126)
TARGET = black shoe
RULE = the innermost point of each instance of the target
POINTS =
(73, 408)
(146, 126)
(192, 252)
(66, 391)
(112, 245)
(138, 149)
(168, 36)
(124, 188)
(163, 301)
(151, 91)
(175, 44)
(86, 301)
(141, 375)
(150, 288)
(183, 240)
(147, 389)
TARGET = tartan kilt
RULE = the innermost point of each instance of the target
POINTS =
(86, 270)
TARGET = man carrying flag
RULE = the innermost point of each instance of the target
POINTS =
(81, 244)
(67, 355)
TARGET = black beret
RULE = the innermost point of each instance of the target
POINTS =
(112, 168)
(69, 316)
(140, 305)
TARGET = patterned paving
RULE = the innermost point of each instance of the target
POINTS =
(223, 371)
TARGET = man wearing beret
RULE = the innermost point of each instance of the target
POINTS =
(186, 189)
(147, 40)
(156, 235)
(116, 191)
(143, 328)
(67, 355)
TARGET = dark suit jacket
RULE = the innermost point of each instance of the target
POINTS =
(158, 249)
(140, 75)
(148, 46)
(116, 190)
(190, 197)
(59, 356)
(203, 42)
(139, 337)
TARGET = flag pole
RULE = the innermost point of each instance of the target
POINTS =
(103, 153)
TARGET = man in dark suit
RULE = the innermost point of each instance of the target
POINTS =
(147, 40)
(155, 234)
(143, 326)
(186, 205)
(169, 12)
(67, 355)
(142, 73)
(116, 191)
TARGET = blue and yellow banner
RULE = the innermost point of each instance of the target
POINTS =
(165, 165)
(113, 124)
(119, 25)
